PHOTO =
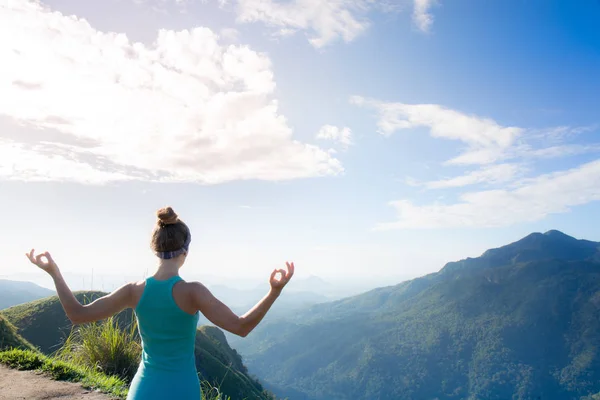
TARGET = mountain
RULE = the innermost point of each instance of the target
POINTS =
(552, 245)
(45, 325)
(9, 338)
(311, 283)
(242, 300)
(520, 322)
(221, 365)
(16, 292)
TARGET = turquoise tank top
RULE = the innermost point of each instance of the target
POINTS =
(168, 367)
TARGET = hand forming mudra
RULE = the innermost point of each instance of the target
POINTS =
(49, 265)
(278, 283)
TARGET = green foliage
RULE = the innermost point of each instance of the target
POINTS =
(60, 370)
(520, 322)
(221, 366)
(44, 322)
(88, 377)
(9, 338)
(104, 347)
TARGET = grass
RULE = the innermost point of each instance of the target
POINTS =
(64, 371)
(28, 360)
(104, 347)
(43, 322)
(9, 338)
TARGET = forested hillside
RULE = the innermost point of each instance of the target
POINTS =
(519, 322)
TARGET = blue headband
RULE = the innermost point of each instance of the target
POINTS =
(176, 253)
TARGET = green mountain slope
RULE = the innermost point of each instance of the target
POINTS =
(9, 338)
(519, 322)
(45, 325)
(15, 292)
(43, 322)
(220, 364)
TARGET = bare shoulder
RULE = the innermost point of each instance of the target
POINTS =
(194, 287)
(137, 286)
(136, 289)
(128, 289)
(189, 296)
(196, 292)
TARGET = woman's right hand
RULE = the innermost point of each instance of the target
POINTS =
(285, 276)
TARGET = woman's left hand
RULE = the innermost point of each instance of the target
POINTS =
(49, 265)
(284, 277)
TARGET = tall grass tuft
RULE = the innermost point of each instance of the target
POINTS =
(104, 347)
(210, 392)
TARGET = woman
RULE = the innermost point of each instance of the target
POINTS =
(166, 308)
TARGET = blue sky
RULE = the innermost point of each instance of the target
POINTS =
(364, 140)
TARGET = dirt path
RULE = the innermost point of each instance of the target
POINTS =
(31, 385)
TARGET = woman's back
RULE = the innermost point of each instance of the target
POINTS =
(168, 333)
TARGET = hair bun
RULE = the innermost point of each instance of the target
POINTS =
(167, 216)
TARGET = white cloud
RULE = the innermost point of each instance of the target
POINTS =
(343, 136)
(327, 21)
(422, 16)
(324, 21)
(229, 34)
(533, 200)
(491, 174)
(486, 140)
(559, 151)
(489, 144)
(553, 143)
(559, 134)
(184, 109)
(17, 162)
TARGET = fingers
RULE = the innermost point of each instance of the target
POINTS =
(291, 269)
(285, 275)
(273, 274)
(278, 282)
(38, 259)
(282, 274)
(49, 257)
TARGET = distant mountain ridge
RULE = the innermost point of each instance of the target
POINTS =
(552, 245)
(17, 292)
(520, 322)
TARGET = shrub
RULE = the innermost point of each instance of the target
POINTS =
(104, 347)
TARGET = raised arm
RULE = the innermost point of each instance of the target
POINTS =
(99, 309)
(222, 316)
